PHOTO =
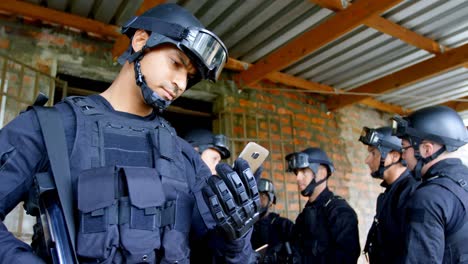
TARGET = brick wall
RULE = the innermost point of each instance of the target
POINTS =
(286, 121)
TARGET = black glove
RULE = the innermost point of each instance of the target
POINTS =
(233, 198)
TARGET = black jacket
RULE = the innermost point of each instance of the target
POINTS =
(386, 238)
(272, 230)
(437, 223)
(326, 231)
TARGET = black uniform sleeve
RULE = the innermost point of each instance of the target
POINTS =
(428, 212)
(345, 233)
(22, 153)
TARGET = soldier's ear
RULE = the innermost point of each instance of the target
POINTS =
(427, 148)
(323, 172)
(139, 39)
(396, 156)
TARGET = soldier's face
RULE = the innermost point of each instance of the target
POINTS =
(211, 157)
(166, 70)
(303, 177)
(264, 199)
(408, 154)
(373, 158)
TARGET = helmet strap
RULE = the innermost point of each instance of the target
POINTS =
(417, 169)
(151, 98)
(433, 156)
(379, 174)
(311, 187)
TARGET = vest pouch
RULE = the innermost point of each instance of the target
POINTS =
(175, 237)
(142, 214)
(98, 234)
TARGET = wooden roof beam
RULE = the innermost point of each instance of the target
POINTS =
(308, 42)
(458, 105)
(389, 108)
(58, 17)
(440, 63)
(390, 28)
(122, 42)
(282, 78)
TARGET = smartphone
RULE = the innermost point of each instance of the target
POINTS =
(255, 155)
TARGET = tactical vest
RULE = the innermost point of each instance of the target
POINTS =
(130, 185)
(456, 249)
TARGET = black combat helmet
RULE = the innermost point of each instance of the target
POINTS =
(204, 139)
(439, 124)
(310, 158)
(172, 24)
(267, 186)
(384, 141)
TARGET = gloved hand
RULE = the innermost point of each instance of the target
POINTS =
(233, 198)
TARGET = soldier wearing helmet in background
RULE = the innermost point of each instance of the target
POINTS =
(410, 154)
(137, 188)
(272, 229)
(437, 214)
(212, 148)
(386, 238)
(326, 231)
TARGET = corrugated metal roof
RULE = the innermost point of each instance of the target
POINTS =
(255, 28)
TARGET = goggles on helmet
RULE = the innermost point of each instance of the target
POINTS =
(375, 138)
(265, 186)
(402, 129)
(370, 136)
(204, 48)
(399, 126)
(297, 160)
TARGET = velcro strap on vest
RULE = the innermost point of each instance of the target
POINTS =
(87, 106)
(163, 216)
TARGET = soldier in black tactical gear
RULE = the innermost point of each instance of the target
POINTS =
(212, 148)
(136, 187)
(272, 229)
(386, 238)
(326, 231)
(437, 214)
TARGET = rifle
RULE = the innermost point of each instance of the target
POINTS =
(51, 199)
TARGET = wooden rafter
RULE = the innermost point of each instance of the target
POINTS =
(457, 105)
(122, 41)
(443, 62)
(384, 107)
(390, 28)
(286, 79)
(58, 17)
(308, 42)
